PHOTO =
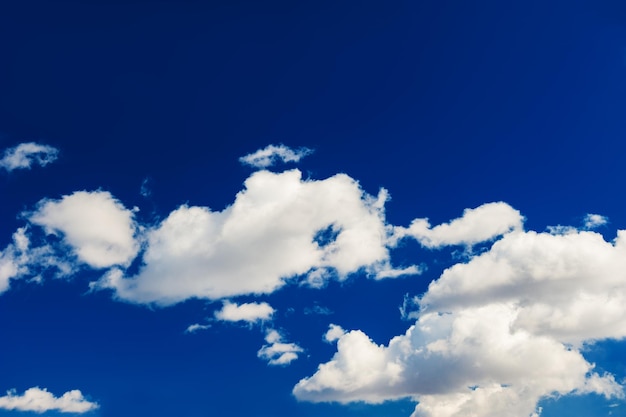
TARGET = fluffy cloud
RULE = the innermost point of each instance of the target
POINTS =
(98, 228)
(40, 400)
(476, 225)
(277, 352)
(24, 155)
(248, 312)
(267, 236)
(494, 335)
(271, 154)
(571, 287)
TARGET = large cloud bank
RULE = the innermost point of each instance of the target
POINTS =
(494, 335)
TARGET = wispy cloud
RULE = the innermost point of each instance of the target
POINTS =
(24, 155)
(592, 221)
(272, 154)
(196, 327)
(40, 401)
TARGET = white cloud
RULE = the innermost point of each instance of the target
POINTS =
(395, 273)
(334, 333)
(276, 352)
(192, 328)
(476, 225)
(271, 154)
(248, 312)
(266, 237)
(98, 228)
(494, 335)
(13, 259)
(40, 400)
(24, 155)
(595, 220)
(571, 287)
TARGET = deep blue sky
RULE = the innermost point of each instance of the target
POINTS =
(448, 105)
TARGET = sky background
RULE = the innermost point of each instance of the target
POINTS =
(148, 107)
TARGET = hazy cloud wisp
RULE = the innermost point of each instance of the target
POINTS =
(24, 155)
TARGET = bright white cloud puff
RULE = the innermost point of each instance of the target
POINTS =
(272, 154)
(277, 352)
(24, 155)
(248, 312)
(40, 401)
(494, 335)
(94, 224)
(278, 227)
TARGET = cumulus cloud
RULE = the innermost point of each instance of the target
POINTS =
(277, 352)
(477, 225)
(98, 228)
(24, 155)
(248, 312)
(40, 400)
(495, 335)
(272, 154)
(266, 237)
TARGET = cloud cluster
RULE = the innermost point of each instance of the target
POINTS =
(494, 335)
(40, 400)
(276, 351)
(272, 154)
(24, 155)
(267, 236)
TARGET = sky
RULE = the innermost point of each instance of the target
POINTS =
(338, 209)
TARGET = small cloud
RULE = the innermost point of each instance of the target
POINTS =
(334, 333)
(560, 230)
(390, 272)
(481, 224)
(409, 308)
(24, 155)
(40, 401)
(319, 310)
(248, 312)
(276, 352)
(591, 221)
(145, 190)
(197, 327)
(272, 154)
